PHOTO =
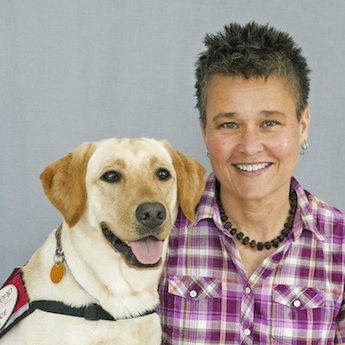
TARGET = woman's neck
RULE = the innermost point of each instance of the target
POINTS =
(260, 219)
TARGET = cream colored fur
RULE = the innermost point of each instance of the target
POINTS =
(95, 272)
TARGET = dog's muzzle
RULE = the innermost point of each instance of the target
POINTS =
(147, 251)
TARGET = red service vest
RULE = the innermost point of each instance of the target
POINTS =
(22, 307)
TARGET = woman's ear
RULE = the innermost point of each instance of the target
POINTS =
(64, 183)
(203, 129)
(304, 125)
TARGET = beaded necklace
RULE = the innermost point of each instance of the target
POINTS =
(245, 239)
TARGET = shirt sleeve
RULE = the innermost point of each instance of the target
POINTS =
(340, 318)
(340, 326)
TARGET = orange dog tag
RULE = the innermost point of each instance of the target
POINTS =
(57, 272)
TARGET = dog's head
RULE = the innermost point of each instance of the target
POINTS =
(127, 189)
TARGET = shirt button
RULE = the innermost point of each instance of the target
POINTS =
(247, 290)
(246, 332)
(297, 303)
(193, 294)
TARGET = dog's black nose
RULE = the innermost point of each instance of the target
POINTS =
(151, 214)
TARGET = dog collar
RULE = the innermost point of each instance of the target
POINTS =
(58, 270)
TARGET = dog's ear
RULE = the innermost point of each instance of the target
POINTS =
(190, 180)
(64, 183)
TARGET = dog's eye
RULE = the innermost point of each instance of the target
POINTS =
(163, 174)
(111, 176)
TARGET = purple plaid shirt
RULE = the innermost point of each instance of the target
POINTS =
(296, 296)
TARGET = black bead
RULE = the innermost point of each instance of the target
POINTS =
(252, 243)
(224, 218)
(290, 220)
(227, 225)
(268, 245)
(245, 240)
(285, 232)
(260, 246)
(281, 238)
(240, 235)
(275, 243)
(233, 231)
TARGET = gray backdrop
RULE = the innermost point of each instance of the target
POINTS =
(74, 71)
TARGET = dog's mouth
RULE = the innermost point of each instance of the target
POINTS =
(143, 253)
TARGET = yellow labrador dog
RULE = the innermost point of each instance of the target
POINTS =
(94, 280)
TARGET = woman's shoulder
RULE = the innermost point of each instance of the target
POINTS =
(324, 209)
(327, 218)
(313, 201)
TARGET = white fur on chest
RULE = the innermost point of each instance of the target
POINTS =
(42, 328)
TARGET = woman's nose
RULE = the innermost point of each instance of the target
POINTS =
(250, 142)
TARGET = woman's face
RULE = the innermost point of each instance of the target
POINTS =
(253, 135)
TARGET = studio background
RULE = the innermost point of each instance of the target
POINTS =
(74, 71)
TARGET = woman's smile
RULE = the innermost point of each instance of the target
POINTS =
(253, 169)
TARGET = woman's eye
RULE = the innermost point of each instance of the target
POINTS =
(230, 125)
(270, 123)
(111, 176)
(163, 174)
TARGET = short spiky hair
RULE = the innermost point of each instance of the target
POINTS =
(252, 51)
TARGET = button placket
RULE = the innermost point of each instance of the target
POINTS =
(247, 313)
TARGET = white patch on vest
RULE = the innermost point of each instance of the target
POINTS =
(8, 301)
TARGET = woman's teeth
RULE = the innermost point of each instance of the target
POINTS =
(252, 167)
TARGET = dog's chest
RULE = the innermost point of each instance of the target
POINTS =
(42, 328)
(39, 327)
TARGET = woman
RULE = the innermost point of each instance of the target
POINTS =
(264, 263)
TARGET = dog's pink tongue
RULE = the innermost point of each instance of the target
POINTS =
(147, 251)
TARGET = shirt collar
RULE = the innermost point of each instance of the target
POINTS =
(208, 208)
(304, 220)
